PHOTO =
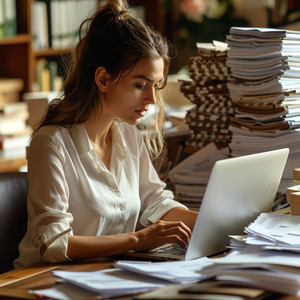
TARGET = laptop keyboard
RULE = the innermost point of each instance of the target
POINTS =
(170, 249)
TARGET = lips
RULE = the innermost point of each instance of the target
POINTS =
(141, 113)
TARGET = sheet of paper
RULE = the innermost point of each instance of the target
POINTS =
(64, 291)
(277, 228)
(248, 256)
(111, 282)
(202, 160)
(173, 271)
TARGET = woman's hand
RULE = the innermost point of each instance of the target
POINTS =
(160, 233)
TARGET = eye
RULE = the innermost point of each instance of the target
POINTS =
(159, 85)
(141, 86)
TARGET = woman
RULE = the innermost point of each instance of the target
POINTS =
(92, 188)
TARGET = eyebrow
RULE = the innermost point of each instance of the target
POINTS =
(148, 78)
(144, 77)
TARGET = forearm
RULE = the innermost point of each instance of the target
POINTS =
(155, 235)
(82, 247)
(188, 217)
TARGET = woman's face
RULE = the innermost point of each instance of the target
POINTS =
(129, 98)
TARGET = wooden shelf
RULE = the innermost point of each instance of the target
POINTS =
(51, 52)
(18, 39)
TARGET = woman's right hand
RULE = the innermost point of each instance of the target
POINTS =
(160, 233)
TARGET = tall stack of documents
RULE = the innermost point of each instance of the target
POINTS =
(209, 118)
(265, 90)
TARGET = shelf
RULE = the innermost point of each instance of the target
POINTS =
(12, 164)
(51, 52)
(18, 39)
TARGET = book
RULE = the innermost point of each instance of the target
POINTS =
(10, 18)
(40, 25)
(10, 89)
(2, 19)
(14, 142)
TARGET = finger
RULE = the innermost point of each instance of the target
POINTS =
(172, 224)
(176, 239)
(177, 230)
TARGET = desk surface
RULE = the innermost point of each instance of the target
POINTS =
(15, 284)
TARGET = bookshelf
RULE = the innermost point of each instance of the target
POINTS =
(20, 55)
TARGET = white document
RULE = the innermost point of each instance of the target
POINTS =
(173, 271)
(201, 162)
(248, 256)
(278, 229)
(65, 291)
(111, 282)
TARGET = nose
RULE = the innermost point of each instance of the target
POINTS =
(151, 96)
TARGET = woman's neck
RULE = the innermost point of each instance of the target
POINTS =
(101, 140)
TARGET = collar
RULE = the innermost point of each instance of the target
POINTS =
(84, 145)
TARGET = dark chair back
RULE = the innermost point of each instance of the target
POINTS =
(13, 216)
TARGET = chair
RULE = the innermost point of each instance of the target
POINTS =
(13, 216)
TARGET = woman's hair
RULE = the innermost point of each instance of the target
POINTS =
(115, 39)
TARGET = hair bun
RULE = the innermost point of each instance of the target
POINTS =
(120, 6)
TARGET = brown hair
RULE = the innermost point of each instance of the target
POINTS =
(116, 40)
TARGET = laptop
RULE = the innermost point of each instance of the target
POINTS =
(238, 190)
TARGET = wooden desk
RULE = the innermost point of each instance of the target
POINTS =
(15, 284)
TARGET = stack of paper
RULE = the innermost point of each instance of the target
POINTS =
(171, 271)
(129, 277)
(110, 283)
(265, 90)
(277, 271)
(271, 232)
(209, 119)
(190, 177)
(267, 257)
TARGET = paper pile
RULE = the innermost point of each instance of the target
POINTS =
(271, 232)
(267, 257)
(129, 277)
(99, 284)
(190, 177)
(265, 90)
(171, 271)
(210, 117)
(276, 271)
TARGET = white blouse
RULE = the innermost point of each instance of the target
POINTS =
(72, 192)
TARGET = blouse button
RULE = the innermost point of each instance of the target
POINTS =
(114, 189)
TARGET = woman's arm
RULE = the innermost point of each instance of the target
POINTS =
(155, 235)
(188, 217)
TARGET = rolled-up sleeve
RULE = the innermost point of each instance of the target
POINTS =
(48, 199)
(156, 200)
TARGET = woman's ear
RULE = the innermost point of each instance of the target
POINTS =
(102, 79)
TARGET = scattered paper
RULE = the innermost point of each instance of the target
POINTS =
(172, 271)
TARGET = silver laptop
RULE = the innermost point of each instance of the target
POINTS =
(238, 190)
